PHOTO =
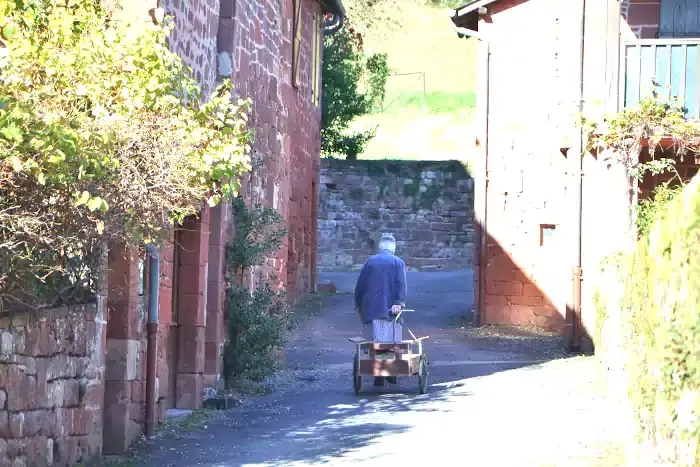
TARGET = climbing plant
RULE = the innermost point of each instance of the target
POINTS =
(628, 132)
(257, 318)
(102, 138)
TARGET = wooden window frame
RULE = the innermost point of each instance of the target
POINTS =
(316, 60)
(296, 44)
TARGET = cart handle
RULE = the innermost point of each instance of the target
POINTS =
(398, 315)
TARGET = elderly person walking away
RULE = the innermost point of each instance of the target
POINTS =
(380, 294)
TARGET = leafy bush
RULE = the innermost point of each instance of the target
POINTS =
(257, 324)
(649, 210)
(257, 319)
(102, 138)
(352, 86)
(661, 333)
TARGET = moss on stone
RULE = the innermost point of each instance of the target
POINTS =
(357, 194)
(411, 189)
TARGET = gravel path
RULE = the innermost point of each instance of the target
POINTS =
(496, 397)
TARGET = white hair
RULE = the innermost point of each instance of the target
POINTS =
(387, 242)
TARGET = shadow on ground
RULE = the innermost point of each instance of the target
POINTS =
(314, 426)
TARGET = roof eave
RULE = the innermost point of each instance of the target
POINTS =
(334, 7)
(467, 15)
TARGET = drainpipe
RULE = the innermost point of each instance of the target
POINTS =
(578, 152)
(152, 340)
(479, 315)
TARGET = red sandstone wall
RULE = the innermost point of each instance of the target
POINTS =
(532, 91)
(257, 37)
(642, 16)
(250, 41)
(532, 187)
(51, 370)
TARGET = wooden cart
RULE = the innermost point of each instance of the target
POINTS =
(390, 359)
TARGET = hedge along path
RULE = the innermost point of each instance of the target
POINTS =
(661, 333)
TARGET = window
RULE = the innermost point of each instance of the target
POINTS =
(679, 18)
(316, 59)
(296, 47)
(547, 232)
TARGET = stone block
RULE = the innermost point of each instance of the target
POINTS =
(66, 451)
(6, 343)
(212, 358)
(215, 330)
(33, 421)
(122, 361)
(189, 391)
(191, 310)
(13, 448)
(40, 451)
(191, 349)
(17, 425)
(21, 390)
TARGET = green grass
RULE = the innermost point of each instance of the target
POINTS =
(429, 106)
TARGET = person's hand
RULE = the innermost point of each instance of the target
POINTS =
(396, 309)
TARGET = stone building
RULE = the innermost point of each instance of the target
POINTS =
(95, 365)
(542, 222)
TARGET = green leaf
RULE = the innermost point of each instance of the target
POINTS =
(84, 198)
(94, 203)
(12, 133)
(17, 165)
(9, 30)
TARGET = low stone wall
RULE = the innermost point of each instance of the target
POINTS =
(428, 206)
(51, 389)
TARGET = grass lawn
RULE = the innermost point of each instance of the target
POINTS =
(430, 98)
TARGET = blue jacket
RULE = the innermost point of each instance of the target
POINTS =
(382, 283)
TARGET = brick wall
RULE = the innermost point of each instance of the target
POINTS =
(194, 37)
(250, 42)
(429, 207)
(256, 36)
(642, 17)
(529, 252)
(532, 209)
(51, 370)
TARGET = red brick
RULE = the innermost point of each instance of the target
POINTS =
(526, 301)
(532, 290)
(505, 288)
(643, 14)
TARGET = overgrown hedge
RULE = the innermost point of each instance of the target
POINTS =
(660, 334)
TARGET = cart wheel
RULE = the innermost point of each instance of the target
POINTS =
(422, 374)
(356, 378)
